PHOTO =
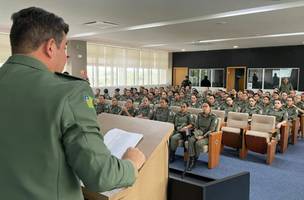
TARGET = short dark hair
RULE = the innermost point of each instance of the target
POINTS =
(32, 26)
(106, 91)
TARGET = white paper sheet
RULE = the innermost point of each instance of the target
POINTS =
(118, 141)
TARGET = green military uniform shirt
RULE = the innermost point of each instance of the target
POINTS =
(101, 108)
(227, 109)
(131, 111)
(145, 111)
(107, 96)
(205, 124)
(280, 115)
(176, 103)
(266, 108)
(252, 110)
(163, 114)
(181, 120)
(195, 105)
(292, 112)
(50, 136)
(286, 87)
(115, 110)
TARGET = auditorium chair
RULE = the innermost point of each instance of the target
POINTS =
(260, 138)
(234, 130)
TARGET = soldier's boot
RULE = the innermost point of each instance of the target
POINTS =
(172, 156)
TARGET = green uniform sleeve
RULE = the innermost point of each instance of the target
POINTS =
(84, 147)
(212, 127)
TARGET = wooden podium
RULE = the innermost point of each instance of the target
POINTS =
(152, 180)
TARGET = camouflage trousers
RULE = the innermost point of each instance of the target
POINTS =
(196, 146)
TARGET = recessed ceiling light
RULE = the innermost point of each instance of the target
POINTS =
(235, 47)
(183, 49)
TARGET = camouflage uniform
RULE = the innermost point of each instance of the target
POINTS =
(163, 115)
(204, 125)
(180, 120)
(100, 108)
(145, 111)
(115, 110)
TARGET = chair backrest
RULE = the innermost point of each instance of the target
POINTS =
(195, 111)
(121, 103)
(237, 120)
(263, 123)
(219, 114)
(175, 109)
(108, 101)
(219, 123)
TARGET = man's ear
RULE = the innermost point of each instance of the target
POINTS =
(49, 48)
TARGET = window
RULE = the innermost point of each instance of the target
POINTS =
(270, 78)
(5, 48)
(255, 79)
(215, 76)
(117, 66)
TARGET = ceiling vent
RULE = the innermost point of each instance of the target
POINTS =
(101, 24)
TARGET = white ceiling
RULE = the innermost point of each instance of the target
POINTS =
(174, 25)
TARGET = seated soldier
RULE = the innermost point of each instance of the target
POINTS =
(182, 122)
(137, 98)
(194, 102)
(291, 109)
(299, 104)
(252, 107)
(176, 101)
(258, 100)
(213, 103)
(266, 106)
(101, 105)
(292, 112)
(281, 116)
(116, 94)
(163, 113)
(144, 110)
(151, 97)
(284, 96)
(157, 97)
(128, 109)
(229, 106)
(183, 97)
(106, 94)
(114, 108)
(205, 124)
(243, 103)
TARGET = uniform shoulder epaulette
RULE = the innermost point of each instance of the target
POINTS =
(69, 77)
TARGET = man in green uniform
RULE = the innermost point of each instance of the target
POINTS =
(205, 124)
(101, 105)
(182, 121)
(291, 109)
(229, 106)
(281, 116)
(267, 106)
(115, 108)
(144, 110)
(286, 86)
(53, 141)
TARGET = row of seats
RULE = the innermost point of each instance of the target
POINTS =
(240, 132)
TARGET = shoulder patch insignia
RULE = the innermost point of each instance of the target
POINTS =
(89, 101)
